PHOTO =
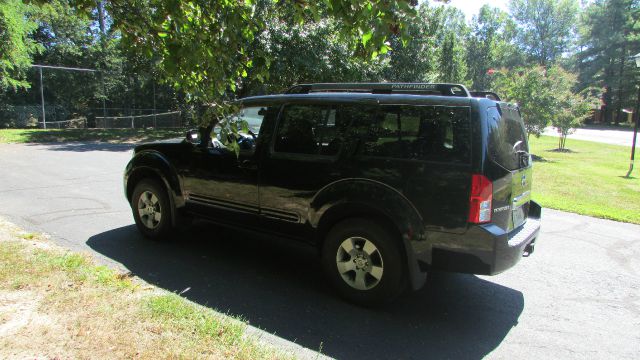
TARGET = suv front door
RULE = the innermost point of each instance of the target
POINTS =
(222, 186)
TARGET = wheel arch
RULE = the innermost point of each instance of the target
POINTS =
(152, 165)
(363, 198)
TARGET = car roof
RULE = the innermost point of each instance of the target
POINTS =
(356, 97)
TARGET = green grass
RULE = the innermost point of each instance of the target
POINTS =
(66, 135)
(92, 311)
(588, 180)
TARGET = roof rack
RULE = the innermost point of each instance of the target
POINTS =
(383, 88)
(486, 94)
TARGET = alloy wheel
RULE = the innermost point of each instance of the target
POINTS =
(359, 262)
(149, 209)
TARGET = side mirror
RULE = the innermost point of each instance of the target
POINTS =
(193, 136)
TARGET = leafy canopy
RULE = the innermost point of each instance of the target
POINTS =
(545, 97)
(16, 47)
(546, 27)
(207, 48)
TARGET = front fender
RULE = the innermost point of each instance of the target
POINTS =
(151, 162)
(361, 197)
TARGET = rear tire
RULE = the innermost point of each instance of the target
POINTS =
(363, 262)
(152, 209)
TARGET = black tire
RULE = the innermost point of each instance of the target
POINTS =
(359, 285)
(150, 224)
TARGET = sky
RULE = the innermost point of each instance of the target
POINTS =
(471, 7)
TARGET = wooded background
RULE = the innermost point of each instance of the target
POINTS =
(173, 55)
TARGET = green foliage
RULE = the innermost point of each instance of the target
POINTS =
(571, 109)
(545, 27)
(299, 53)
(531, 89)
(609, 35)
(416, 59)
(490, 46)
(206, 48)
(544, 97)
(16, 45)
(452, 31)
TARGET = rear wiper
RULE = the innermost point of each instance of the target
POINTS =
(523, 158)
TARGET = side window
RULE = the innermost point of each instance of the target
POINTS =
(436, 133)
(309, 129)
(253, 116)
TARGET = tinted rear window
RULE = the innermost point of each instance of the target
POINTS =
(308, 129)
(507, 136)
(436, 133)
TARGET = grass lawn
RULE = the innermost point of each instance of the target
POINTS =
(588, 180)
(57, 304)
(65, 135)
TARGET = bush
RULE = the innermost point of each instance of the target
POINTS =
(545, 97)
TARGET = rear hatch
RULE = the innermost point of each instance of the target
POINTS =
(509, 150)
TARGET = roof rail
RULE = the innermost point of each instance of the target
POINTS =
(486, 94)
(383, 88)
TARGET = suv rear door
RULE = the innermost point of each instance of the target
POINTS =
(509, 150)
(302, 158)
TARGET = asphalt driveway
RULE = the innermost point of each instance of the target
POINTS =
(576, 297)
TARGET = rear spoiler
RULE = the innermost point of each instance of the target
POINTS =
(485, 94)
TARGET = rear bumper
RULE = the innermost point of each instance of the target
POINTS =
(488, 249)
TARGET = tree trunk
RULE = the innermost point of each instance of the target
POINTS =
(103, 28)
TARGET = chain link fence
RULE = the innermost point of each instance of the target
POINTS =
(170, 119)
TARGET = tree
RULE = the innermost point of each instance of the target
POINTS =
(531, 90)
(16, 45)
(609, 34)
(570, 109)
(450, 37)
(415, 60)
(206, 49)
(545, 97)
(490, 46)
(202, 47)
(545, 27)
(299, 53)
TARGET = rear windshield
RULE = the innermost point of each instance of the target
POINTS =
(507, 137)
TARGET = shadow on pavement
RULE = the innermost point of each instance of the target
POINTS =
(87, 146)
(279, 287)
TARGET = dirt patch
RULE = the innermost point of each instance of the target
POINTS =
(23, 329)
(16, 311)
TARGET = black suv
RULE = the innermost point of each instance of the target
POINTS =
(387, 180)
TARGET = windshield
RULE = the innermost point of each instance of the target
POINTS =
(507, 137)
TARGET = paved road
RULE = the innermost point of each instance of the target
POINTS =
(607, 136)
(577, 297)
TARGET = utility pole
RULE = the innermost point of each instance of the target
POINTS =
(636, 57)
(44, 119)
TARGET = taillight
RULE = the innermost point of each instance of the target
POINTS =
(480, 199)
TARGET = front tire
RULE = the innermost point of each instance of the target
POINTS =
(151, 209)
(364, 263)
